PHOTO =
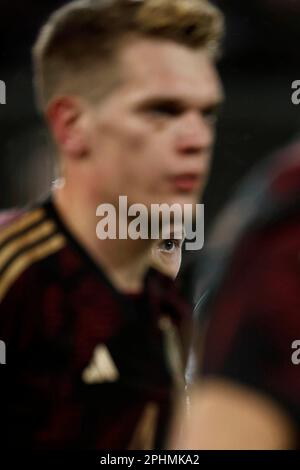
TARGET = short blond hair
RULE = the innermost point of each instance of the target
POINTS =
(84, 37)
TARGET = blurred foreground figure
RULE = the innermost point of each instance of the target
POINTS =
(95, 339)
(248, 393)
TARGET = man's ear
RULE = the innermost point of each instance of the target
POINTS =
(65, 118)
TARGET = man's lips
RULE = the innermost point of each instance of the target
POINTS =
(187, 182)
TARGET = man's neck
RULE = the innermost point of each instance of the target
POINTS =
(125, 262)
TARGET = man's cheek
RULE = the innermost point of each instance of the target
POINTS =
(137, 142)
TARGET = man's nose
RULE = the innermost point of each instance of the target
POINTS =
(195, 134)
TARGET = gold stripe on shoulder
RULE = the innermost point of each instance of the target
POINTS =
(20, 243)
(25, 260)
(23, 222)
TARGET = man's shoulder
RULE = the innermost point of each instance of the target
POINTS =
(27, 236)
(8, 216)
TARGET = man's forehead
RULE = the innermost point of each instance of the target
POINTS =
(170, 69)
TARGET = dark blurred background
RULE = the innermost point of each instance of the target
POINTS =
(261, 60)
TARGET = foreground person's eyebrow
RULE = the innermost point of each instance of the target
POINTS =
(176, 105)
(214, 108)
(171, 105)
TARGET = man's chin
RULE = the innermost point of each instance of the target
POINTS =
(184, 206)
(182, 199)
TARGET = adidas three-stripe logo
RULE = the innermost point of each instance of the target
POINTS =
(30, 238)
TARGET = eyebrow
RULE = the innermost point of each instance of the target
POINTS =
(179, 104)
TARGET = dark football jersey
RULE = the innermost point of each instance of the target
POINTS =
(251, 311)
(86, 366)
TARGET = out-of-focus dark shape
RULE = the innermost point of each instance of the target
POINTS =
(248, 317)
